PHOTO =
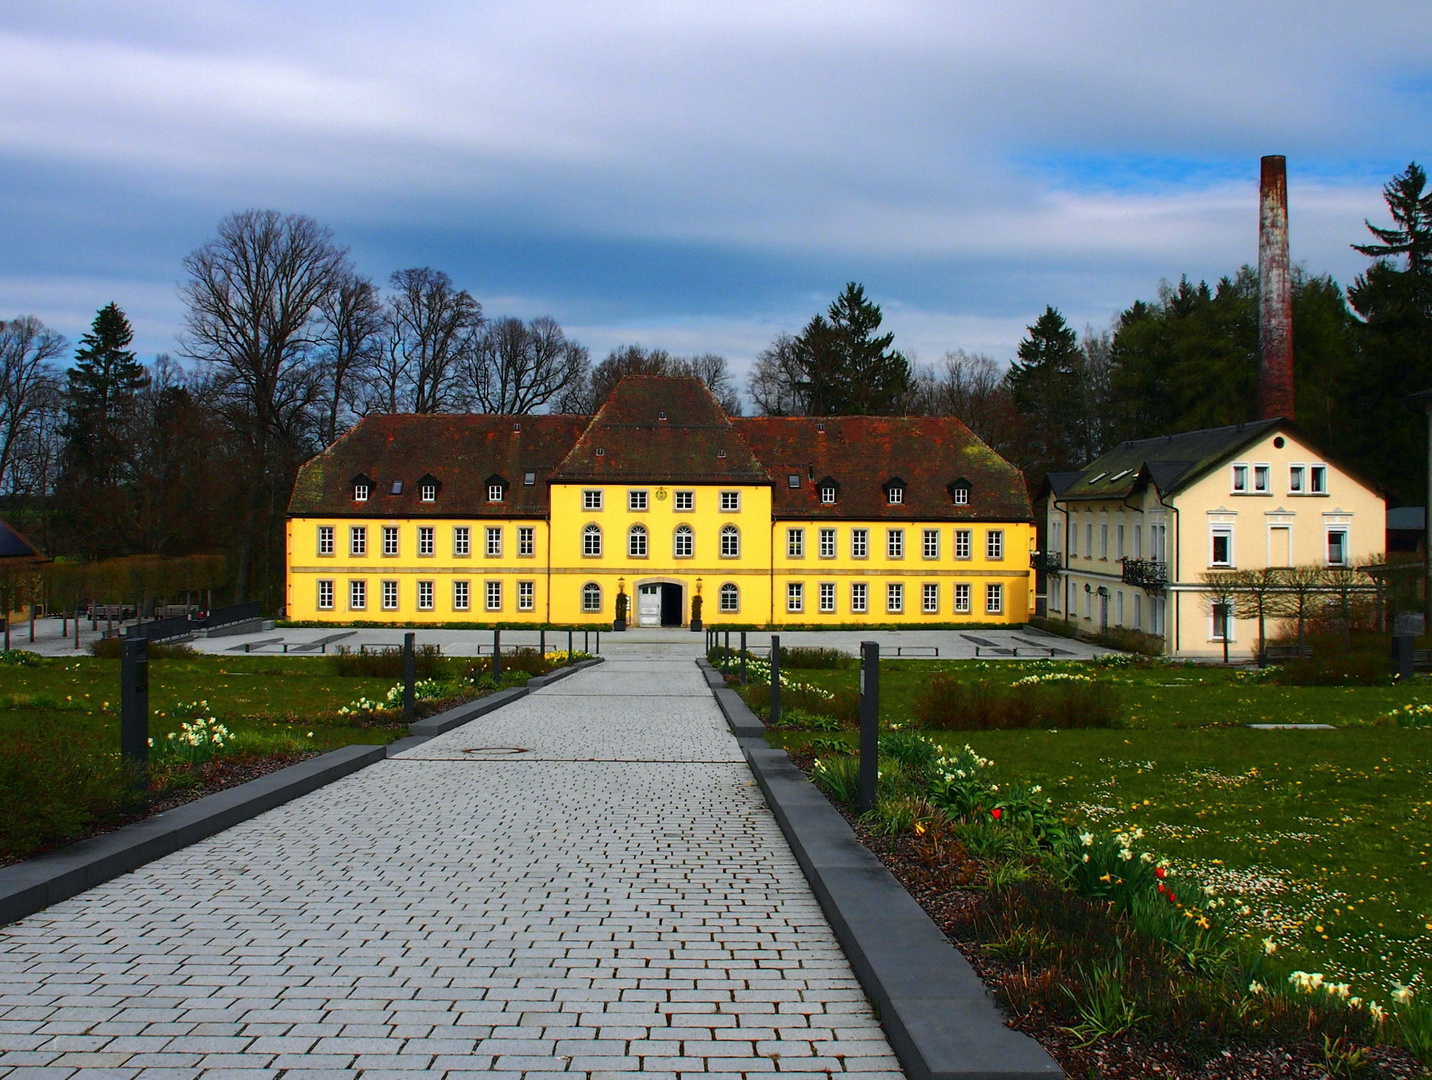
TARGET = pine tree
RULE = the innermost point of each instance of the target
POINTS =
(844, 369)
(1047, 385)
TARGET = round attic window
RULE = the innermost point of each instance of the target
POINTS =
(1280, 442)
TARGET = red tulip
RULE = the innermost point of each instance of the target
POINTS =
(1160, 872)
(995, 813)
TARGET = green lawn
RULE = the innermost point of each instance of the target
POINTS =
(1324, 835)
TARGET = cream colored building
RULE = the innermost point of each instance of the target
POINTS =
(1129, 538)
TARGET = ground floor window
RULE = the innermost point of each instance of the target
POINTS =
(930, 599)
(591, 597)
(425, 596)
(895, 598)
(962, 599)
(1221, 623)
(325, 595)
(795, 596)
(994, 599)
(1138, 612)
(494, 596)
(358, 595)
(1119, 607)
(827, 596)
(525, 594)
(730, 598)
(459, 595)
(390, 596)
(859, 597)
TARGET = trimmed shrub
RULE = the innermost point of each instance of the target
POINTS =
(387, 664)
(949, 704)
(108, 649)
(809, 659)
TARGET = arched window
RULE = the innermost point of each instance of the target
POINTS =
(730, 598)
(684, 542)
(592, 540)
(730, 542)
(636, 541)
(591, 597)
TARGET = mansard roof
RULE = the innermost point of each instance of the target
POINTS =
(863, 453)
(661, 429)
(460, 452)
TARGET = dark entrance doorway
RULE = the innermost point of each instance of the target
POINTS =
(671, 606)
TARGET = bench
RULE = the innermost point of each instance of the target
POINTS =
(321, 644)
(250, 646)
(1281, 654)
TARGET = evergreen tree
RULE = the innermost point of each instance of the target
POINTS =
(843, 369)
(1045, 382)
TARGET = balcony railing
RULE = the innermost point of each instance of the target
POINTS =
(1146, 574)
(1051, 562)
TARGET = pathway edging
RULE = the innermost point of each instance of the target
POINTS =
(937, 1015)
(30, 886)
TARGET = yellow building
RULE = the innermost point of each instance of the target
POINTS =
(660, 498)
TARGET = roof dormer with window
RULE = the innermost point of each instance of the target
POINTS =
(428, 486)
(361, 486)
(829, 490)
(894, 489)
(496, 488)
(959, 492)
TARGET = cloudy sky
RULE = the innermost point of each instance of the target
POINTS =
(703, 176)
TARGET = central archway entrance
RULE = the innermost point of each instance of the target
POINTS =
(659, 603)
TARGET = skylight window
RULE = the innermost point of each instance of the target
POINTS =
(1118, 475)
(1096, 479)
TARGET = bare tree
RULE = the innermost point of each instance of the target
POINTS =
(29, 388)
(432, 330)
(774, 382)
(349, 343)
(1300, 596)
(1220, 595)
(518, 367)
(253, 295)
(716, 374)
(1257, 598)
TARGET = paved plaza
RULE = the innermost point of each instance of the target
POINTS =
(584, 882)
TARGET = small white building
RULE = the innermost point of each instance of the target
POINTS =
(1129, 538)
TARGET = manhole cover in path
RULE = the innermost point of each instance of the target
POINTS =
(496, 751)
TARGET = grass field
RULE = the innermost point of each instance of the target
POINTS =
(1324, 835)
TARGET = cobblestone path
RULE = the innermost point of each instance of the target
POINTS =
(584, 882)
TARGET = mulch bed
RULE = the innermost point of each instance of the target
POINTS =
(951, 895)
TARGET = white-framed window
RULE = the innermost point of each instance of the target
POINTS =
(462, 540)
(1337, 546)
(930, 543)
(592, 499)
(1220, 622)
(426, 539)
(1156, 615)
(730, 598)
(684, 500)
(1138, 541)
(1262, 479)
(827, 543)
(494, 596)
(526, 592)
(730, 542)
(960, 495)
(360, 492)
(591, 597)
(461, 594)
(636, 500)
(390, 596)
(325, 594)
(1317, 479)
(425, 596)
(994, 598)
(930, 598)
(1119, 541)
(1296, 475)
(494, 541)
(827, 597)
(894, 543)
(526, 540)
(994, 544)
(962, 598)
(357, 594)
(494, 492)
(1088, 536)
(1220, 542)
(636, 542)
(592, 541)
(1088, 602)
(894, 597)
(795, 543)
(325, 539)
(827, 495)
(1073, 539)
(730, 500)
(357, 540)
(895, 496)
(859, 597)
(683, 542)
(1056, 593)
(1138, 611)
(428, 492)
(1103, 540)
(1119, 607)
(795, 596)
(1240, 479)
(1056, 536)
(859, 543)
(962, 543)
(390, 539)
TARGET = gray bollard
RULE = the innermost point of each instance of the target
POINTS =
(743, 658)
(869, 724)
(134, 700)
(775, 680)
(496, 653)
(569, 646)
(542, 641)
(410, 674)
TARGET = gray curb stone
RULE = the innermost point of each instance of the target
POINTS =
(940, 1020)
(35, 884)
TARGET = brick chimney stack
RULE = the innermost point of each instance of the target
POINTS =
(1275, 293)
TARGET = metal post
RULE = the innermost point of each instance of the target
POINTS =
(775, 680)
(77, 625)
(134, 700)
(598, 644)
(869, 724)
(496, 653)
(542, 641)
(587, 642)
(410, 674)
(1402, 656)
(743, 658)
(726, 654)
(569, 646)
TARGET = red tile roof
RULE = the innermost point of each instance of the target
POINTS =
(863, 453)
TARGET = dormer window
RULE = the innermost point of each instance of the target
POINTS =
(496, 489)
(960, 492)
(894, 491)
(428, 488)
(362, 488)
(827, 496)
(829, 490)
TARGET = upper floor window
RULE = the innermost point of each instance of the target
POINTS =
(730, 542)
(962, 543)
(1296, 475)
(1262, 480)
(894, 491)
(636, 500)
(494, 492)
(425, 539)
(494, 541)
(1337, 547)
(592, 540)
(994, 544)
(931, 544)
(684, 500)
(859, 543)
(428, 492)
(1240, 478)
(636, 541)
(683, 542)
(895, 543)
(730, 500)
(1221, 546)
(325, 539)
(360, 490)
(960, 492)
(526, 539)
(827, 543)
(827, 495)
(358, 540)
(390, 539)
(795, 543)
(1318, 479)
(592, 499)
(461, 539)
